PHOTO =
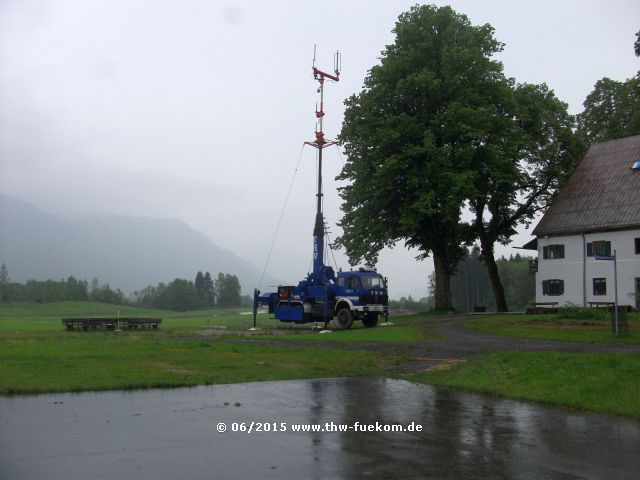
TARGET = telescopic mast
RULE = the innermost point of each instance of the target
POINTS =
(320, 143)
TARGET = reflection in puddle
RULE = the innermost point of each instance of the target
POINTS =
(173, 434)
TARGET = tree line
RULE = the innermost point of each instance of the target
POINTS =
(50, 291)
(470, 286)
(439, 130)
(178, 295)
(183, 295)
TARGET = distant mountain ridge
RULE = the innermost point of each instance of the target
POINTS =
(125, 252)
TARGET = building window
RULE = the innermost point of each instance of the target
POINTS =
(601, 247)
(553, 251)
(637, 246)
(599, 286)
(553, 287)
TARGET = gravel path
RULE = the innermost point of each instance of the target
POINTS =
(458, 342)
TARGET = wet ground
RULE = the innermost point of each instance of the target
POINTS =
(174, 434)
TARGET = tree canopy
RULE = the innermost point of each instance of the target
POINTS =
(228, 290)
(438, 127)
(405, 139)
(522, 157)
(612, 109)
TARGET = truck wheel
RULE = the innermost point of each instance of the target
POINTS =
(370, 320)
(344, 319)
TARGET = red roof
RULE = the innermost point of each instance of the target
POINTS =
(603, 192)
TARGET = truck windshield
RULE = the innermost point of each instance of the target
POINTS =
(372, 282)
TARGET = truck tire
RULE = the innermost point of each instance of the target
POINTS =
(344, 318)
(370, 320)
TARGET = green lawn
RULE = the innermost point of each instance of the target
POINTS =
(600, 382)
(38, 355)
(553, 327)
(32, 362)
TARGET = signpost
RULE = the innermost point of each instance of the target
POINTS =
(615, 283)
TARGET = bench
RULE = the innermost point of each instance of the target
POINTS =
(606, 305)
(542, 307)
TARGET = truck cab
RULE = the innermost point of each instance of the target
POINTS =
(360, 295)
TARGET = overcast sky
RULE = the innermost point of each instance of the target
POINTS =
(197, 110)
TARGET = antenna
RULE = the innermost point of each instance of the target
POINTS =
(321, 76)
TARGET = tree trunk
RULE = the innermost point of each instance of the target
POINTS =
(487, 240)
(443, 282)
(494, 277)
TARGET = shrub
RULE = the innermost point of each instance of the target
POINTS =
(574, 312)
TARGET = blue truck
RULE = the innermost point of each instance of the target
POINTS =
(345, 297)
(324, 295)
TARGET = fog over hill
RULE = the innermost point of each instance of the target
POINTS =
(125, 252)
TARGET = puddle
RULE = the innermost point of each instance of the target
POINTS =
(174, 434)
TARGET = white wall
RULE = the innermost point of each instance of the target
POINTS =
(570, 268)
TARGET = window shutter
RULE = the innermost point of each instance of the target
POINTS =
(561, 251)
(561, 287)
(607, 248)
(545, 252)
(545, 287)
(589, 249)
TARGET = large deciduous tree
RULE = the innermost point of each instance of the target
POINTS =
(407, 134)
(520, 158)
(438, 126)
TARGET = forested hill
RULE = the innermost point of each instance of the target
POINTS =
(128, 253)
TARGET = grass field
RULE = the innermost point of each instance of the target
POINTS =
(38, 355)
(600, 382)
(552, 327)
(62, 361)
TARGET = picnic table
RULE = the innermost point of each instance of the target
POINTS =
(111, 323)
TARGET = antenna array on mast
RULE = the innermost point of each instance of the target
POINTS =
(321, 76)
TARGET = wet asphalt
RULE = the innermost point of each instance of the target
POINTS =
(174, 434)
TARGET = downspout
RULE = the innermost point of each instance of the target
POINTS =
(584, 270)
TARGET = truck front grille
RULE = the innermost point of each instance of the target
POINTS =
(374, 299)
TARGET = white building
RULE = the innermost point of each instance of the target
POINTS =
(596, 214)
